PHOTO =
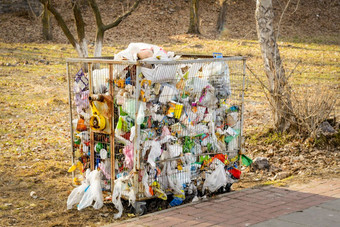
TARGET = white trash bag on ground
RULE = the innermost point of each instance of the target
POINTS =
(92, 193)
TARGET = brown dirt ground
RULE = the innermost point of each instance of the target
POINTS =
(40, 163)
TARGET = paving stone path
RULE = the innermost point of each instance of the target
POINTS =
(262, 206)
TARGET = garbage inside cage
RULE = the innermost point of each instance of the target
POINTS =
(152, 127)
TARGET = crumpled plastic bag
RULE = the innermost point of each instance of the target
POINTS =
(92, 193)
(168, 93)
(100, 80)
(208, 97)
(131, 52)
(145, 184)
(155, 152)
(218, 74)
(121, 188)
(216, 179)
(116, 197)
(76, 195)
(128, 154)
(140, 115)
(161, 73)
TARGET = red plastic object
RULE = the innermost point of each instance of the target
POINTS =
(220, 157)
(235, 172)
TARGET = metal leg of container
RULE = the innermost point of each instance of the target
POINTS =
(71, 118)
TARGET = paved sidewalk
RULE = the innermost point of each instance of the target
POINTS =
(251, 206)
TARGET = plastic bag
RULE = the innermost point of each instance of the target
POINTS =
(175, 150)
(208, 97)
(168, 93)
(128, 154)
(76, 195)
(161, 73)
(100, 80)
(140, 115)
(146, 186)
(92, 193)
(218, 74)
(155, 152)
(178, 199)
(216, 179)
(129, 107)
(116, 196)
(131, 52)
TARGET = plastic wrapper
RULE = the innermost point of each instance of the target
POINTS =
(216, 179)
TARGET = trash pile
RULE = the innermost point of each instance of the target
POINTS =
(176, 129)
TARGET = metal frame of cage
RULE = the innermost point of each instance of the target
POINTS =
(112, 144)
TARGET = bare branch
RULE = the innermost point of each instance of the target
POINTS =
(61, 22)
(97, 15)
(36, 17)
(122, 17)
(80, 25)
(297, 6)
(278, 26)
(291, 73)
(262, 84)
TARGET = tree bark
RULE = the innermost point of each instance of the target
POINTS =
(80, 25)
(194, 18)
(279, 92)
(46, 23)
(222, 15)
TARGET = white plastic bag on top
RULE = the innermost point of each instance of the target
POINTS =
(131, 52)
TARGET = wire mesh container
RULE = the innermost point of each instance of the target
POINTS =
(157, 127)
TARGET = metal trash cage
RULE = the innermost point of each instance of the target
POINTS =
(156, 127)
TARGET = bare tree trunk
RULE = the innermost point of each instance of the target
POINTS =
(279, 92)
(194, 18)
(80, 25)
(99, 43)
(46, 23)
(222, 15)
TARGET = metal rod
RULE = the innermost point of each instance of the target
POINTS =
(137, 131)
(71, 118)
(111, 122)
(92, 161)
(108, 61)
(242, 107)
